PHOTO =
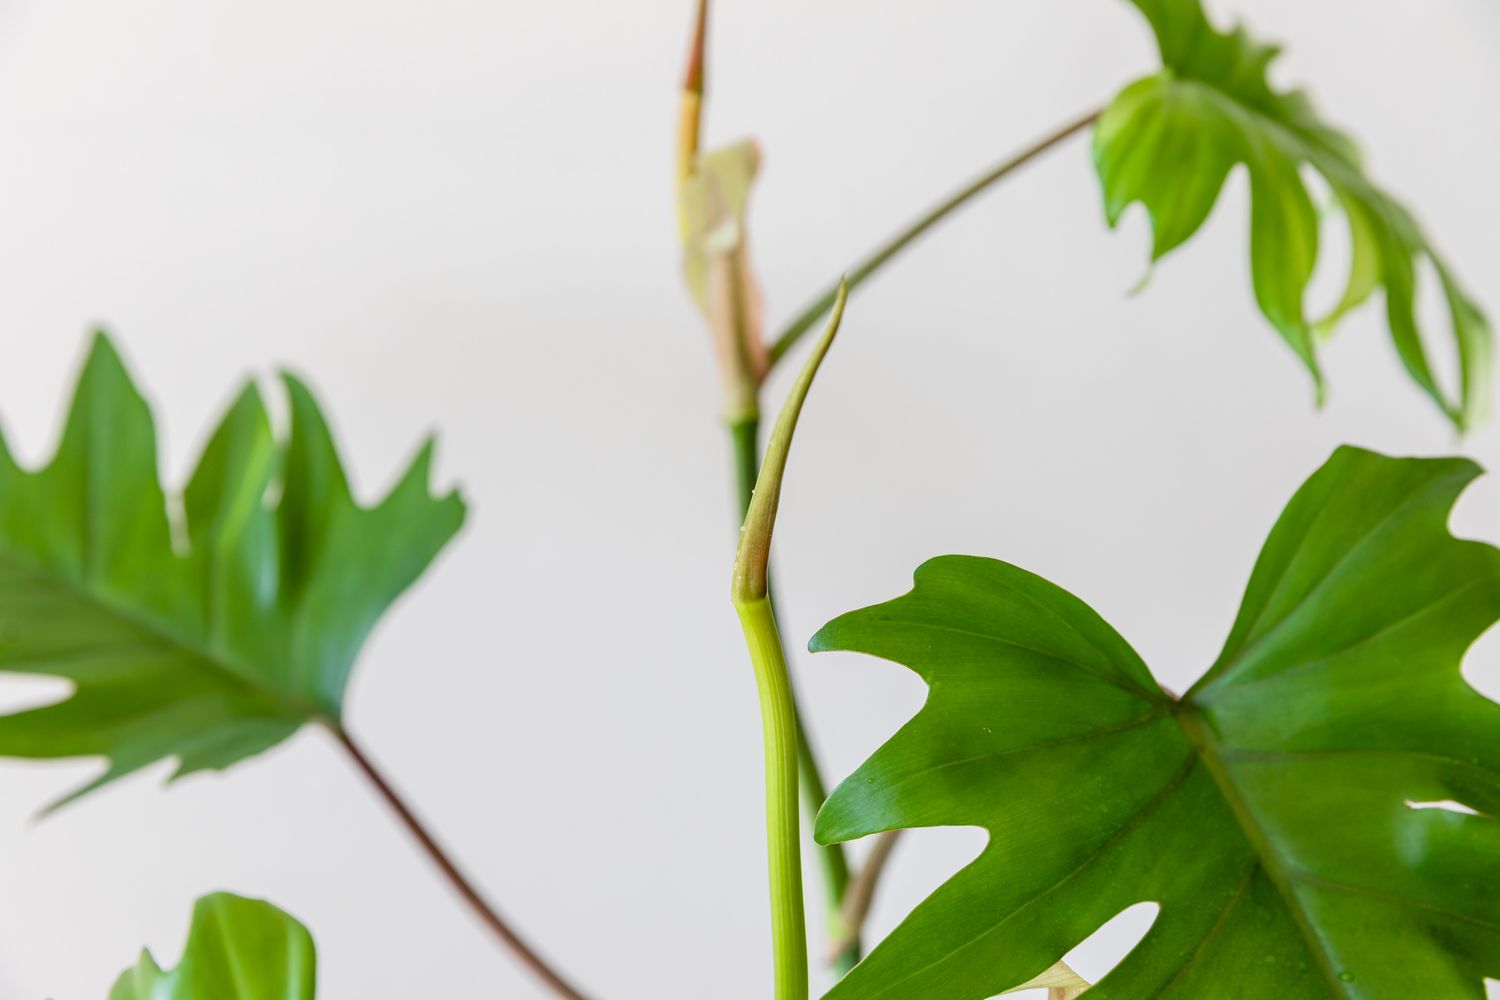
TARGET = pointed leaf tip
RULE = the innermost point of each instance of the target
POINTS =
(753, 557)
(104, 360)
(100, 341)
(421, 467)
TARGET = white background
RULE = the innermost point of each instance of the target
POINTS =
(459, 215)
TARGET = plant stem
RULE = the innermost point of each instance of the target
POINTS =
(486, 912)
(893, 246)
(845, 919)
(750, 592)
(832, 860)
(784, 846)
(861, 893)
(744, 439)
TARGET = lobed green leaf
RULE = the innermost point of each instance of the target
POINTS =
(1270, 812)
(208, 630)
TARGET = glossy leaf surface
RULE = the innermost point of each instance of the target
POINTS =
(237, 949)
(207, 629)
(1170, 140)
(1269, 812)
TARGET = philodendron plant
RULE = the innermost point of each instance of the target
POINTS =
(1314, 817)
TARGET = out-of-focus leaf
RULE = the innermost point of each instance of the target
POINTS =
(1060, 977)
(716, 264)
(715, 198)
(1268, 811)
(207, 629)
(1169, 141)
(237, 949)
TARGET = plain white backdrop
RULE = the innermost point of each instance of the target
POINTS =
(458, 216)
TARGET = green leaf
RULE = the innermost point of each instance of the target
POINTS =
(1268, 812)
(208, 630)
(1169, 141)
(237, 949)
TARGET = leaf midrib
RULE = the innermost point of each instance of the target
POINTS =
(1222, 672)
(1306, 144)
(237, 971)
(242, 674)
(1205, 744)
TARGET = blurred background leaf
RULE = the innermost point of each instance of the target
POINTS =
(1169, 141)
(207, 627)
(237, 949)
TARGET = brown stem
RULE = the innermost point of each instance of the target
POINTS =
(900, 241)
(693, 75)
(690, 103)
(487, 913)
(861, 891)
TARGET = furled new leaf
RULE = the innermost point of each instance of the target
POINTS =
(1269, 812)
(714, 200)
(237, 949)
(1169, 141)
(208, 630)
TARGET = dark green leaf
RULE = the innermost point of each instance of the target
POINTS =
(208, 631)
(1268, 812)
(237, 949)
(1170, 140)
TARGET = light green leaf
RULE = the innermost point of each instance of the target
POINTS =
(1269, 812)
(1059, 977)
(237, 949)
(714, 200)
(1169, 141)
(206, 631)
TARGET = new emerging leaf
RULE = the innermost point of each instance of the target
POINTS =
(237, 949)
(1269, 812)
(714, 201)
(1169, 141)
(206, 630)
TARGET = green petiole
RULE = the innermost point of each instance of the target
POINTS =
(750, 592)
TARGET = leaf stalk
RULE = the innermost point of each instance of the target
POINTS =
(903, 238)
(690, 104)
(783, 838)
(750, 592)
(855, 906)
(466, 888)
(833, 863)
